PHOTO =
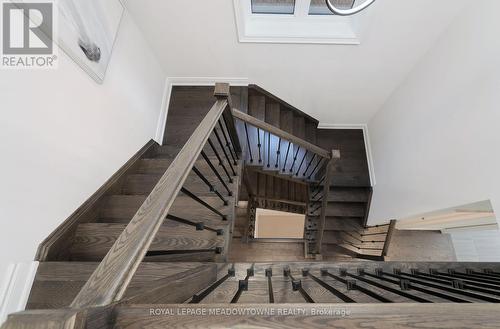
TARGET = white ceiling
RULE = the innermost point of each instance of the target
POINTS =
(337, 84)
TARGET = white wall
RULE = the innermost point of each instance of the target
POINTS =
(63, 135)
(15, 287)
(436, 142)
(336, 84)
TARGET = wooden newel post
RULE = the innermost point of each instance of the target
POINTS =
(335, 156)
(223, 90)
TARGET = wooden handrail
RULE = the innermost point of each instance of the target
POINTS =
(335, 155)
(390, 231)
(280, 133)
(111, 278)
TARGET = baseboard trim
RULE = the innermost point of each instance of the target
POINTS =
(366, 137)
(16, 288)
(187, 81)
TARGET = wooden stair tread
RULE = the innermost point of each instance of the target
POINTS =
(348, 194)
(143, 184)
(170, 151)
(56, 284)
(337, 224)
(160, 165)
(345, 209)
(93, 240)
(121, 209)
(367, 252)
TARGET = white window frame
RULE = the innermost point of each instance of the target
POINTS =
(297, 28)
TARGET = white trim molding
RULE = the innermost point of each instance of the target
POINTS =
(16, 287)
(366, 137)
(187, 81)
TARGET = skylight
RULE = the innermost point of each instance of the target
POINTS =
(293, 21)
(273, 6)
(318, 7)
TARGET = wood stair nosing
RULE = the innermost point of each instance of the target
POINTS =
(272, 116)
(256, 108)
(299, 130)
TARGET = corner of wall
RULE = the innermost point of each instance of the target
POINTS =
(162, 119)
(16, 287)
(187, 81)
(366, 137)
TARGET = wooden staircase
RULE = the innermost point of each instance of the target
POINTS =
(149, 248)
(286, 170)
(192, 231)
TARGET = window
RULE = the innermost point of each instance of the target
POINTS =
(318, 7)
(273, 6)
(293, 21)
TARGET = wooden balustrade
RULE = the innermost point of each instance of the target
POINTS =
(335, 156)
(281, 133)
(111, 278)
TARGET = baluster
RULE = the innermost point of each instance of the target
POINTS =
(228, 144)
(301, 163)
(351, 285)
(318, 186)
(397, 274)
(309, 165)
(269, 274)
(268, 149)
(231, 137)
(224, 151)
(207, 160)
(221, 163)
(337, 293)
(360, 277)
(198, 298)
(286, 157)
(199, 226)
(259, 145)
(381, 275)
(317, 207)
(210, 185)
(203, 203)
(316, 167)
(297, 285)
(295, 158)
(242, 286)
(278, 153)
(248, 143)
(465, 284)
(154, 253)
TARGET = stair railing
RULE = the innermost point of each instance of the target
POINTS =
(109, 281)
(105, 288)
(318, 202)
(370, 242)
(302, 159)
